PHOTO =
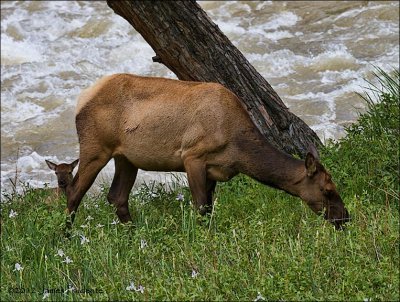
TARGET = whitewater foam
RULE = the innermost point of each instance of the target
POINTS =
(18, 52)
(284, 19)
(336, 59)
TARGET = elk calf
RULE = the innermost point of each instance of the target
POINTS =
(64, 175)
(199, 128)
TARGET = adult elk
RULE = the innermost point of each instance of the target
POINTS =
(198, 128)
(63, 172)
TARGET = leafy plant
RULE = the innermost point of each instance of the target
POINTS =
(366, 160)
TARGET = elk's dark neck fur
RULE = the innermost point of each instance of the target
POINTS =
(270, 166)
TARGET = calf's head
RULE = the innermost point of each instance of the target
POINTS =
(319, 192)
(63, 172)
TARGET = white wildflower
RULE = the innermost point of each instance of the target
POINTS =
(12, 214)
(46, 294)
(99, 225)
(132, 286)
(180, 197)
(194, 273)
(140, 289)
(143, 243)
(67, 260)
(60, 253)
(84, 240)
(154, 195)
(69, 289)
(259, 297)
(89, 218)
(18, 267)
(115, 222)
(84, 226)
(367, 299)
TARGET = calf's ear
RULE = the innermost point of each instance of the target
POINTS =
(51, 165)
(74, 163)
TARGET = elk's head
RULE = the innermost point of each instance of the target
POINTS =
(63, 172)
(319, 191)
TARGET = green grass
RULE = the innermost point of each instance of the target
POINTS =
(258, 240)
(366, 161)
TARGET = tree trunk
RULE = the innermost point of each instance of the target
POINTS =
(186, 41)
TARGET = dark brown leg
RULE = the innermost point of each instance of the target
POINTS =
(124, 178)
(211, 184)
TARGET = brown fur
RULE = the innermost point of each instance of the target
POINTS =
(201, 128)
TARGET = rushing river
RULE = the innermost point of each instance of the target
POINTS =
(315, 54)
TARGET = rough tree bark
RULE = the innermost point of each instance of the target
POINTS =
(186, 40)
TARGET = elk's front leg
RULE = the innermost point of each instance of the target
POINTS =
(211, 184)
(88, 169)
(196, 174)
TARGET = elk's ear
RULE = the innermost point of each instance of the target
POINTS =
(74, 163)
(311, 164)
(313, 150)
(51, 165)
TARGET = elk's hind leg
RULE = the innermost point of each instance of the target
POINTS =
(124, 178)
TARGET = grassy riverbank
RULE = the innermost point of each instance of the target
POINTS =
(258, 244)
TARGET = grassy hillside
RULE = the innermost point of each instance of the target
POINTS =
(259, 244)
